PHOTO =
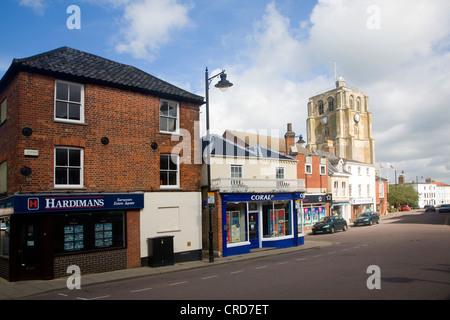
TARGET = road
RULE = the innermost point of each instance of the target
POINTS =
(411, 252)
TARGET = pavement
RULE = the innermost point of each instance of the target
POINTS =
(23, 289)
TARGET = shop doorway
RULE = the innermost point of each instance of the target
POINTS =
(253, 229)
(29, 264)
(31, 248)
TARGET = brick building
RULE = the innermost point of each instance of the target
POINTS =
(313, 168)
(92, 165)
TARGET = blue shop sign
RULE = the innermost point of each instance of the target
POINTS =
(245, 197)
(77, 202)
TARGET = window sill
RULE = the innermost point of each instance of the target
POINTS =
(170, 188)
(69, 188)
(81, 123)
(170, 133)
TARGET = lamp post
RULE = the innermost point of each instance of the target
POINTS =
(223, 85)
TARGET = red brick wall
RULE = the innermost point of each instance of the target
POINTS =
(91, 262)
(314, 180)
(9, 131)
(133, 239)
(130, 120)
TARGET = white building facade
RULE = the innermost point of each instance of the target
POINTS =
(361, 187)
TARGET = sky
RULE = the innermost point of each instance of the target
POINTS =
(277, 53)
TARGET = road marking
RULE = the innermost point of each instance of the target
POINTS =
(282, 262)
(96, 298)
(261, 267)
(332, 252)
(62, 294)
(177, 283)
(239, 271)
(205, 278)
(345, 249)
(301, 259)
(319, 255)
(139, 290)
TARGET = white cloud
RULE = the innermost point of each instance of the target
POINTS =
(36, 5)
(149, 24)
(404, 67)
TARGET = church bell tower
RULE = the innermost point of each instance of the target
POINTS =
(339, 120)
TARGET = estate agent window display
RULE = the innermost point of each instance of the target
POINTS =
(88, 231)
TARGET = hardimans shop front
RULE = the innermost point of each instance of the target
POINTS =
(43, 234)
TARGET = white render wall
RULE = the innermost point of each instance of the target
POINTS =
(172, 213)
(252, 168)
(362, 175)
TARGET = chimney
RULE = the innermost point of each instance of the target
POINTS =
(330, 147)
(289, 138)
(401, 179)
(428, 180)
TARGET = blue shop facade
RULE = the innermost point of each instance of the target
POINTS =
(261, 220)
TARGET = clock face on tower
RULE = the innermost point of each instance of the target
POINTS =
(324, 120)
(357, 117)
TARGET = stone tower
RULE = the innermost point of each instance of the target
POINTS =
(340, 119)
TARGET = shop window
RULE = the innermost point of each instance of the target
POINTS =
(277, 219)
(88, 231)
(312, 214)
(168, 116)
(69, 102)
(236, 223)
(4, 236)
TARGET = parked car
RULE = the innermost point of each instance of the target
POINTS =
(404, 207)
(366, 218)
(330, 224)
(444, 208)
(429, 207)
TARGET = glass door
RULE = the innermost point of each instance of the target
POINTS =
(253, 229)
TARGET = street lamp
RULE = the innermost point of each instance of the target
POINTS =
(223, 85)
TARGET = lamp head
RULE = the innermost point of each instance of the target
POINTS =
(223, 84)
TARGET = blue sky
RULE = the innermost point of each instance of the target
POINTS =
(278, 53)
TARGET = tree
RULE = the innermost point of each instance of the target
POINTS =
(402, 194)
